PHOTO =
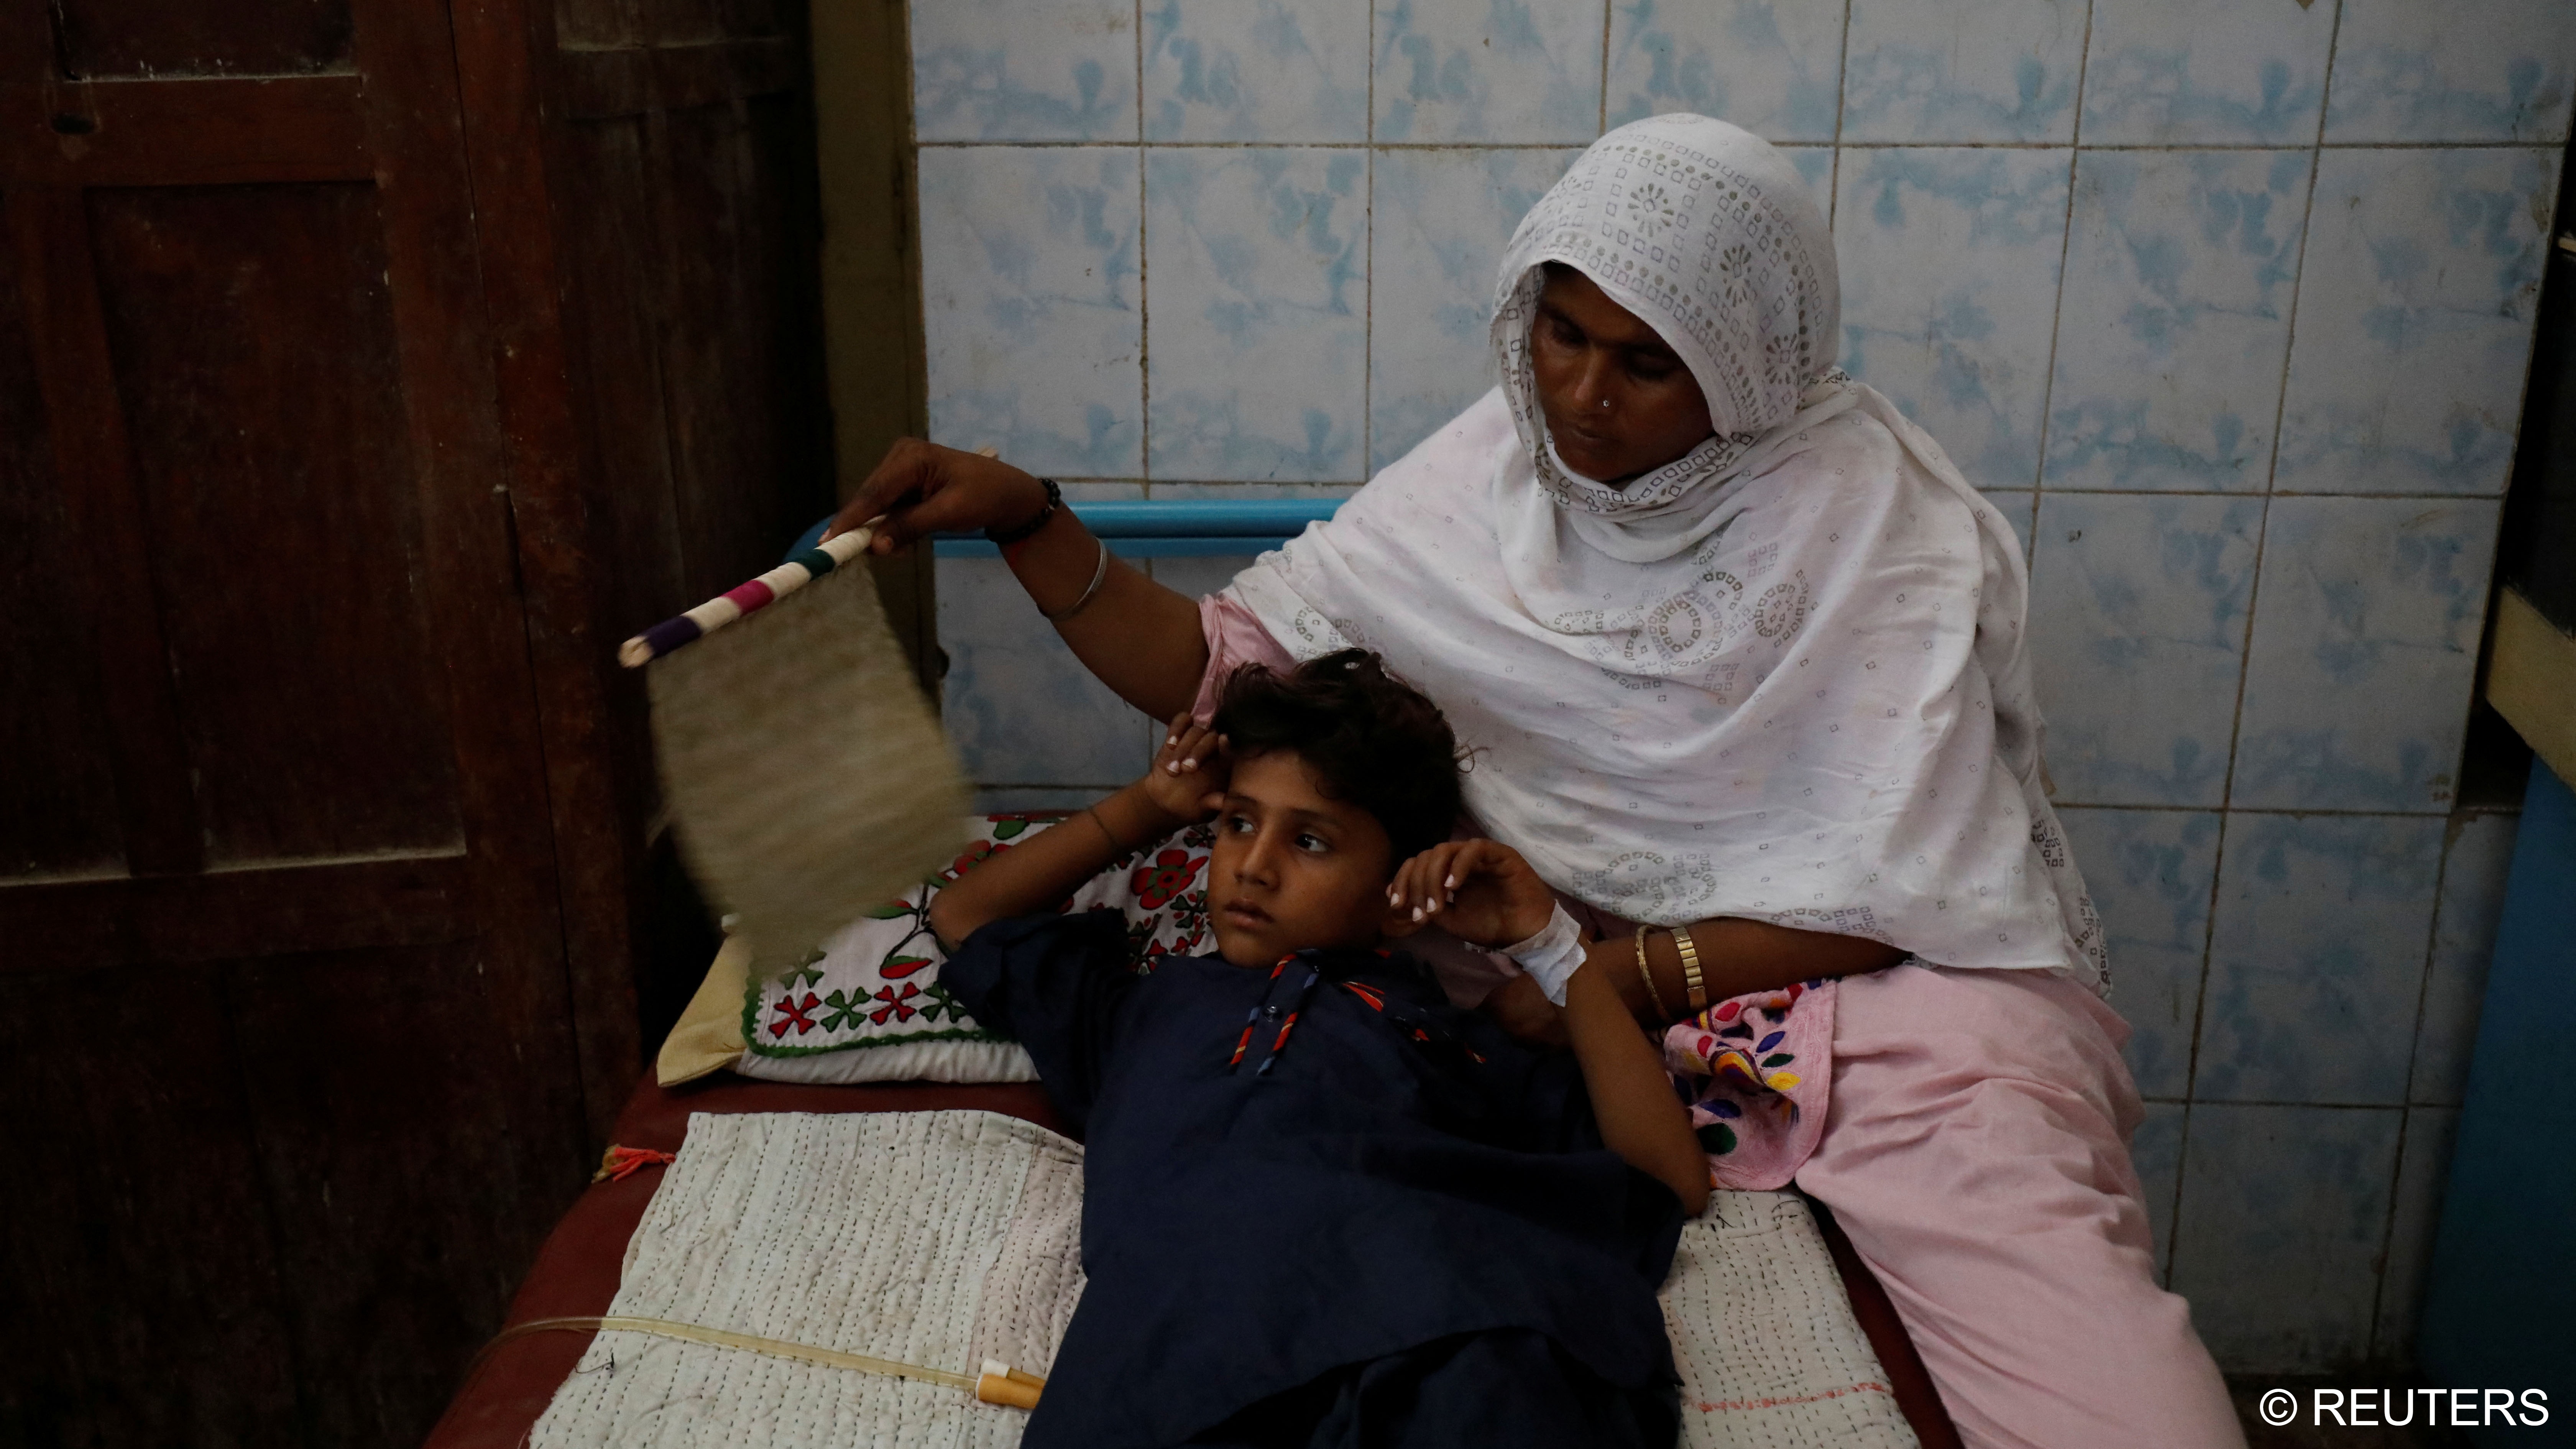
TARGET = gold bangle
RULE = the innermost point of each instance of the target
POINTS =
(1690, 969)
(1653, 998)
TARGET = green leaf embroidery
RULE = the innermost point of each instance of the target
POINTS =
(846, 1010)
(1778, 1059)
(936, 1000)
(1007, 829)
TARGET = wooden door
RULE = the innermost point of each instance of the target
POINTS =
(288, 1089)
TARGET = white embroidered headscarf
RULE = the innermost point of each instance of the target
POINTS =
(1780, 677)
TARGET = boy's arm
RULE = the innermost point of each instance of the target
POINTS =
(1049, 866)
(1485, 893)
(1633, 1100)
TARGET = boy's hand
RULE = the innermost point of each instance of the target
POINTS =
(1479, 891)
(1519, 1007)
(1188, 777)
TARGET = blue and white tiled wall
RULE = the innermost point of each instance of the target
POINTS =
(2228, 301)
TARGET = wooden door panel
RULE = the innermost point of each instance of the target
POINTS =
(617, 297)
(739, 399)
(139, 727)
(306, 1010)
(393, 1122)
(57, 795)
(167, 38)
(145, 1305)
(181, 133)
(623, 24)
(321, 523)
(111, 923)
(252, 341)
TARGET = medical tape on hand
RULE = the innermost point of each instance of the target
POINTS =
(1552, 955)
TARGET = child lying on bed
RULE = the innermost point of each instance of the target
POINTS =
(1323, 1206)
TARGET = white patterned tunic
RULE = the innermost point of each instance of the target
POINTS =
(1782, 677)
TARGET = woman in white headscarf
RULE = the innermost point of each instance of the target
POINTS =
(1741, 657)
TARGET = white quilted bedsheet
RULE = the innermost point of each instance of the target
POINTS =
(946, 1238)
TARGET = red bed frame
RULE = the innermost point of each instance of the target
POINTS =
(576, 1271)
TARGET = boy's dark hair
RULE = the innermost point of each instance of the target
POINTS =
(1371, 739)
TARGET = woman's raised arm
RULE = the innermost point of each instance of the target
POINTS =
(1136, 636)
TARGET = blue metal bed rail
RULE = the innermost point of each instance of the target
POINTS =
(1177, 528)
(1173, 528)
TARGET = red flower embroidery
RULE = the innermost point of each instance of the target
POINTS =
(975, 855)
(791, 1012)
(1170, 875)
(895, 1004)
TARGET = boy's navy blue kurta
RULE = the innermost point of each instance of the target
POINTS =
(1290, 1172)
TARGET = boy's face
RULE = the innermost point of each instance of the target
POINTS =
(1293, 867)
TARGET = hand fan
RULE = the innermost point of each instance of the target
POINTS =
(805, 775)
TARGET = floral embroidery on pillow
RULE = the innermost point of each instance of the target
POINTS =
(876, 982)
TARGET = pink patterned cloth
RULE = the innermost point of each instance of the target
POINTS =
(1234, 638)
(1759, 1068)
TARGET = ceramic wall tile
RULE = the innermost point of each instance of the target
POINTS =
(2472, 70)
(1103, 490)
(1034, 797)
(1949, 263)
(2200, 72)
(2455, 979)
(2137, 608)
(1440, 222)
(2423, 1168)
(2366, 623)
(2019, 507)
(2417, 302)
(1199, 577)
(2179, 276)
(1258, 293)
(1773, 68)
(2156, 1152)
(1020, 708)
(1003, 70)
(1816, 165)
(1506, 72)
(1031, 305)
(2284, 1211)
(1963, 70)
(2316, 957)
(1173, 490)
(2150, 874)
(1256, 70)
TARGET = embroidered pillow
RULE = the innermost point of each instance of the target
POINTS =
(868, 1006)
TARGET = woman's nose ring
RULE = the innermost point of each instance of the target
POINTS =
(1605, 402)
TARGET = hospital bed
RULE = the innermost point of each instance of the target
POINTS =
(577, 1272)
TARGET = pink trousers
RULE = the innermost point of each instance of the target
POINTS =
(1976, 1153)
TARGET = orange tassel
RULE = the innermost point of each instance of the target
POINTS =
(620, 1163)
